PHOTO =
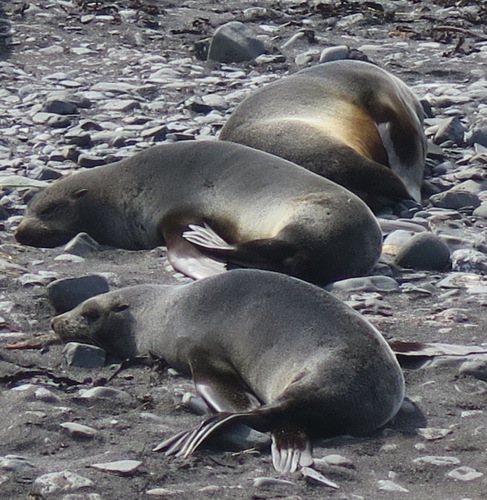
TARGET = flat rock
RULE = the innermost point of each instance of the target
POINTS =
(66, 294)
(84, 355)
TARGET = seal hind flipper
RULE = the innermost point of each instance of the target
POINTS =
(290, 448)
(219, 384)
(206, 237)
(187, 259)
(185, 443)
(268, 254)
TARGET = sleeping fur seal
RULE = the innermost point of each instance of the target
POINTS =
(349, 121)
(264, 349)
(207, 200)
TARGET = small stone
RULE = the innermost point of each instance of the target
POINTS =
(59, 107)
(465, 474)
(450, 129)
(481, 211)
(266, 482)
(315, 477)
(79, 430)
(338, 461)
(440, 461)
(52, 120)
(123, 467)
(366, 284)
(476, 366)
(455, 199)
(82, 245)
(47, 396)
(424, 251)
(89, 161)
(234, 42)
(84, 355)
(66, 257)
(388, 485)
(66, 294)
(121, 105)
(433, 434)
(58, 482)
(334, 53)
(163, 492)
(15, 463)
(104, 393)
(469, 261)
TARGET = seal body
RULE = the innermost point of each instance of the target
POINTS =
(264, 349)
(212, 202)
(349, 121)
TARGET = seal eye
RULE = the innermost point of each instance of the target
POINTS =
(52, 209)
(120, 307)
(91, 315)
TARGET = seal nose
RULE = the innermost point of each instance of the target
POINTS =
(54, 322)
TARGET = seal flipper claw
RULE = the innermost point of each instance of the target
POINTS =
(206, 237)
(290, 449)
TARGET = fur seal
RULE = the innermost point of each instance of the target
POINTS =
(207, 200)
(349, 121)
(264, 349)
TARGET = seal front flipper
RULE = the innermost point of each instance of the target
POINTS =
(290, 448)
(187, 259)
(218, 383)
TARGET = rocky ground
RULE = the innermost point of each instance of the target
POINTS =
(87, 82)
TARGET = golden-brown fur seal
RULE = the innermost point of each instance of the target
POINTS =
(208, 200)
(349, 121)
(264, 349)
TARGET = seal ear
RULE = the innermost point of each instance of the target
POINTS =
(80, 193)
(121, 306)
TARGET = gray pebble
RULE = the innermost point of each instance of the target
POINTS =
(88, 160)
(124, 467)
(79, 430)
(481, 211)
(234, 42)
(465, 474)
(266, 482)
(469, 261)
(434, 460)
(366, 284)
(450, 129)
(388, 485)
(59, 107)
(334, 53)
(433, 434)
(82, 244)
(475, 366)
(104, 393)
(84, 355)
(15, 463)
(424, 251)
(60, 482)
(455, 199)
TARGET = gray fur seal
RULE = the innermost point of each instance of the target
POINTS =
(349, 121)
(264, 349)
(212, 200)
